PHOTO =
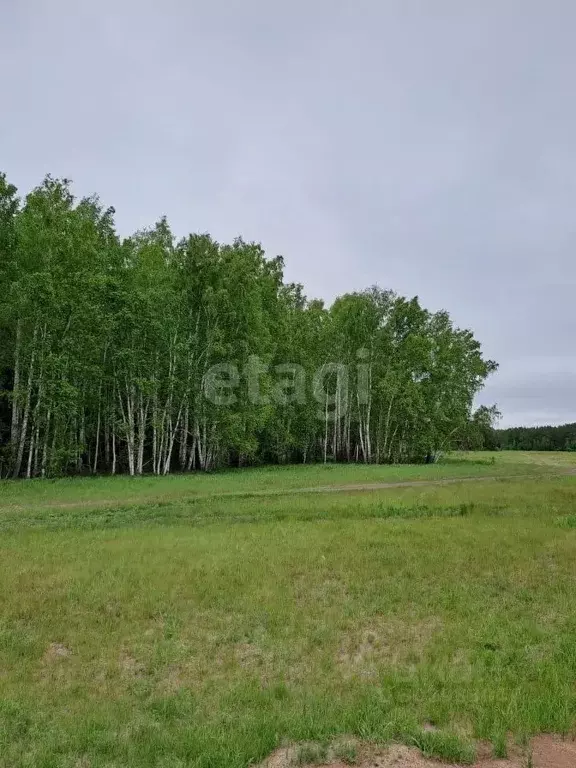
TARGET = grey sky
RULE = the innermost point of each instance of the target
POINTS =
(425, 145)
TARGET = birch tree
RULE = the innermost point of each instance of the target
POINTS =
(107, 345)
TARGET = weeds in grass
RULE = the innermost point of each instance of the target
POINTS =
(566, 521)
(206, 632)
(310, 754)
(346, 751)
(445, 746)
(500, 745)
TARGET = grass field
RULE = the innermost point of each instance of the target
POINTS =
(124, 490)
(206, 620)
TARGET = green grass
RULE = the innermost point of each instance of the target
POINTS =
(175, 629)
(133, 490)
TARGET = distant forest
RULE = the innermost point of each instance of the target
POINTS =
(482, 435)
(562, 438)
(148, 354)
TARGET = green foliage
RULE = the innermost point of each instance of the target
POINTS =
(480, 434)
(109, 345)
(558, 438)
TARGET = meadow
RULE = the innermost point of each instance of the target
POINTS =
(206, 620)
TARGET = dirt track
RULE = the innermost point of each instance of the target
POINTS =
(349, 488)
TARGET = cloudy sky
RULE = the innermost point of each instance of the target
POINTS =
(425, 145)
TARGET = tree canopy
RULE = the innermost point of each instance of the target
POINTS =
(546, 438)
(152, 354)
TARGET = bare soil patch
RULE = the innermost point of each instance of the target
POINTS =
(55, 652)
(545, 751)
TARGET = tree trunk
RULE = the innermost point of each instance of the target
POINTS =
(24, 428)
(15, 436)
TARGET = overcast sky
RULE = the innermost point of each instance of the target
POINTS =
(428, 146)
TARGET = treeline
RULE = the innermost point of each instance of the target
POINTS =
(560, 438)
(481, 435)
(146, 354)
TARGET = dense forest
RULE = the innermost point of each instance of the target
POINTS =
(562, 438)
(148, 354)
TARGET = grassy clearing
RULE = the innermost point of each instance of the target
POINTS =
(133, 490)
(207, 632)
